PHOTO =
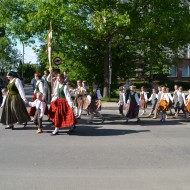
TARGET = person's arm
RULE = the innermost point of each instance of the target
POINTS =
(20, 88)
(32, 104)
(41, 87)
(99, 94)
(145, 96)
(150, 97)
(183, 95)
(42, 108)
(124, 99)
(137, 99)
(68, 96)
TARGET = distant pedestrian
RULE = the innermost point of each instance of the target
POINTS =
(121, 102)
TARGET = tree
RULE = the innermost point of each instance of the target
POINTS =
(84, 31)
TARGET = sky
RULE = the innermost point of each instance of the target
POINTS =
(29, 55)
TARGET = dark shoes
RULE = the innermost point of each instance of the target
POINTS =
(25, 124)
(72, 129)
(10, 127)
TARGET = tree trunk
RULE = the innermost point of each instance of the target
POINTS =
(106, 74)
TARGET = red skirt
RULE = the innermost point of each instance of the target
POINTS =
(32, 110)
(61, 113)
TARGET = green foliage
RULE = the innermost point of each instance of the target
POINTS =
(138, 31)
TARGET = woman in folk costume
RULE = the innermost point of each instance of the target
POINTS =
(61, 111)
(188, 106)
(14, 109)
(96, 103)
(38, 88)
(163, 104)
(143, 100)
(133, 104)
(78, 99)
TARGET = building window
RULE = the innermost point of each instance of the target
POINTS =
(173, 71)
(186, 71)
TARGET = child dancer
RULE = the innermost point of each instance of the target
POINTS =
(159, 96)
(153, 98)
(133, 104)
(121, 102)
(95, 103)
(163, 104)
(40, 106)
(143, 100)
(4, 92)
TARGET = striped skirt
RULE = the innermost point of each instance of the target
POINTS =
(61, 113)
(14, 110)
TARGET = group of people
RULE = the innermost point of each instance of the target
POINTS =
(53, 87)
(161, 99)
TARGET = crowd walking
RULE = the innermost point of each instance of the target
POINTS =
(64, 105)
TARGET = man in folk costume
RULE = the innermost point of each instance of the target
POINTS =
(143, 100)
(163, 104)
(159, 96)
(181, 102)
(153, 98)
(61, 111)
(78, 99)
(14, 109)
(38, 88)
(96, 103)
(47, 87)
(175, 98)
(133, 105)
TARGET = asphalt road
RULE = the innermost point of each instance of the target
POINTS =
(117, 156)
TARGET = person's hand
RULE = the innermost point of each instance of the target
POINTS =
(26, 101)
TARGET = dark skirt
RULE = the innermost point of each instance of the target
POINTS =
(61, 113)
(32, 110)
(133, 111)
(14, 110)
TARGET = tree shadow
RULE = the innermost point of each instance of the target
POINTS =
(99, 131)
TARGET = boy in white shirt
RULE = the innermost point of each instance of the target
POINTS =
(40, 109)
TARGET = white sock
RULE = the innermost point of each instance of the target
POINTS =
(55, 130)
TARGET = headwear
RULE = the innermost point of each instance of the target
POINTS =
(13, 74)
(132, 87)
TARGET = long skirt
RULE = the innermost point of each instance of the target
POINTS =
(61, 113)
(14, 110)
(188, 107)
(133, 111)
(32, 110)
(143, 104)
(162, 105)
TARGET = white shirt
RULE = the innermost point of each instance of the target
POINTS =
(182, 94)
(145, 95)
(19, 86)
(67, 94)
(39, 105)
(164, 96)
(170, 96)
(3, 102)
(152, 96)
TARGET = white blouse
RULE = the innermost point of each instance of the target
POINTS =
(39, 105)
(164, 96)
(66, 91)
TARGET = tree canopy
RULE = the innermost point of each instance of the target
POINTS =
(93, 36)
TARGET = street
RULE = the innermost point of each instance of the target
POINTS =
(149, 155)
